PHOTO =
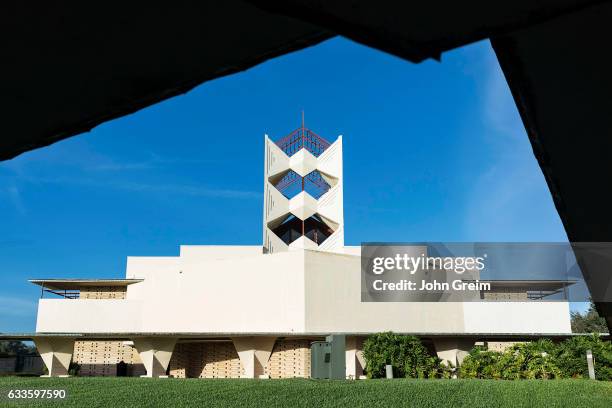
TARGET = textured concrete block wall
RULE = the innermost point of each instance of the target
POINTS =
(205, 360)
(100, 358)
(103, 292)
(290, 358)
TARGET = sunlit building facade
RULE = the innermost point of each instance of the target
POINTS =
(253, 311)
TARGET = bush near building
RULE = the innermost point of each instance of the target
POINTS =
(541, 359)
(406, 354)
(534, 360)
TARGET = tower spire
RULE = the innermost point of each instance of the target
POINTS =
(303, 192)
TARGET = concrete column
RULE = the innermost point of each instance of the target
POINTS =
(155, 353)
(254, 353)
(354, 359)
(56, 353)
(361, 361)
(453, 349)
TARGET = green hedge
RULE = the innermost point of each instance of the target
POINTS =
(541, 359)
(406, 354)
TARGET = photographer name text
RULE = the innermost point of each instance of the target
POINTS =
(428, 286)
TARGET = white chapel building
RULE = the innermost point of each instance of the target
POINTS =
(253, 311)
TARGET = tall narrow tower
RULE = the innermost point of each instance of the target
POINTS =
(303, 193)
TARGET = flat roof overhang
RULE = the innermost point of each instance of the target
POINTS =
(73, 284)
(97, 67)
(195, 336)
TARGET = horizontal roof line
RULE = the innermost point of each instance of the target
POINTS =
(77, 283)
(194, 335)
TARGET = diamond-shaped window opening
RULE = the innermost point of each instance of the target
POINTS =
(303, 138)
(314, 228)
(290, 184)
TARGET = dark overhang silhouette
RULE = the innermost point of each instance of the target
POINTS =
(68, 66)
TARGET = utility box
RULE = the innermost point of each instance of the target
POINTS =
(328, 358)
(320, 359)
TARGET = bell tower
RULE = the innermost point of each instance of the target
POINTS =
(303, 205)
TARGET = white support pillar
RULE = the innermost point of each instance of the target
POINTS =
(361, 361)
(56, 353)
(155, 353)
(354, 359)
(453, 349)
(254, 353)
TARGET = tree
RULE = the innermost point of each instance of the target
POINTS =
(589, 322)
(13, 348)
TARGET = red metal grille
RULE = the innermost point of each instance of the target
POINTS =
(293, 228)
(291, 184)
(303, 138)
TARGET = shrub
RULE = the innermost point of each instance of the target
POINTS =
(408, 357)
(74, 369)
(480, 363)
(441, 370)
(532, 360)
(571, 357)
(541, 359)
(526, 360)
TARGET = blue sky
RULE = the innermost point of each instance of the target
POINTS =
(433, 152)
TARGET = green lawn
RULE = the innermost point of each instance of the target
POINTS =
(145, 392)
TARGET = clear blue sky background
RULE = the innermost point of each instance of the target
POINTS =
(433, 151)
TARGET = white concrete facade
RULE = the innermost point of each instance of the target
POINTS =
(240, 290)
(253, 295)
